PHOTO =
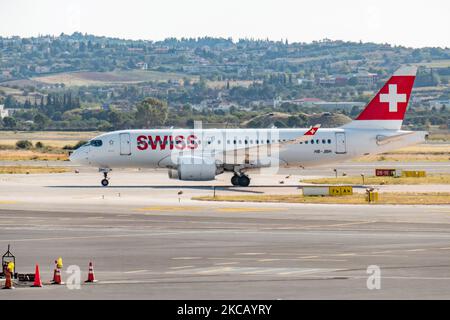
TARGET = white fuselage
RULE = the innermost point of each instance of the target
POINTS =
(229, 147)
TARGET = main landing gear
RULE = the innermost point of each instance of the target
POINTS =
(105, 180)
(240, 180)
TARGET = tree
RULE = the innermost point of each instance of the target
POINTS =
(116, 119)
(151, 112)
(9, 122)
(41, 120)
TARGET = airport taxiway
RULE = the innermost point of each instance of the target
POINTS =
(147, 241)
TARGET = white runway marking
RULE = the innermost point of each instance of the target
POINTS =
(136, 271)
(268, 260)
(251, 271)
(250, 253)
(225, 263)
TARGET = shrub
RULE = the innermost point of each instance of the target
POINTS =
(24, 144)
(39, 145)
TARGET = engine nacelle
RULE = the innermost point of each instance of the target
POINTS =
(194, 169)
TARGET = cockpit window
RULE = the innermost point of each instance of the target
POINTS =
(96, 143)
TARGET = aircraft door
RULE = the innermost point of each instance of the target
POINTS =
(341, 144)
(125, 144)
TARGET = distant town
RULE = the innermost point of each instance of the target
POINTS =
(84, 82)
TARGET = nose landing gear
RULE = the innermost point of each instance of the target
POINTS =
(105, 180)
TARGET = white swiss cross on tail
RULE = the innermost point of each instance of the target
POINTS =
(393, 98)
(387, 109)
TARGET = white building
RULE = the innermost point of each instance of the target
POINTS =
(3, 112)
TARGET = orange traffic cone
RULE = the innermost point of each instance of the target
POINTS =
(91, 277)
(8, 282)
(57, 277)
(37, 278)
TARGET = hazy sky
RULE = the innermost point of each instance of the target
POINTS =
(411, 23)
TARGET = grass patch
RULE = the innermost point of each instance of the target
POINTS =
(373, 180)
(421, 152)
(21, 155)
(31, 169)
(384, 198)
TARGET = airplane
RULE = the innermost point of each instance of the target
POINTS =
(202, 154)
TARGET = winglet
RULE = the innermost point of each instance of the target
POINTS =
(313, 130)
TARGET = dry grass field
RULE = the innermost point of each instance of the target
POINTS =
(384, 198)
(372, 180)
(23, 155)
(422, 152)
(109, 78)
(31, 169)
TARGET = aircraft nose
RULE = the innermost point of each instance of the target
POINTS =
(77, 157)
(74, 156)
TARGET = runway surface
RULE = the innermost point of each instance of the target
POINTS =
(146, 241)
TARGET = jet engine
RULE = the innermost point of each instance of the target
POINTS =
(194, 169)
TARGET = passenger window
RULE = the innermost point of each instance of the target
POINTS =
(317, 141)
(218, 141)
(306, 142)
(234, 141)
(312, 141)
(329, 141)
(245, 141)
(323, 141)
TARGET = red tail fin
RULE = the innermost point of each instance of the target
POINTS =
(387, 109)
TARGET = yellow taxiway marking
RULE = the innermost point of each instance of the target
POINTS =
(8, 202)
(167, 208)
(249, 209)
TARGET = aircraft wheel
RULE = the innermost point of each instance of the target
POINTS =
(105, 182)
(235, 180)
(244, 181)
